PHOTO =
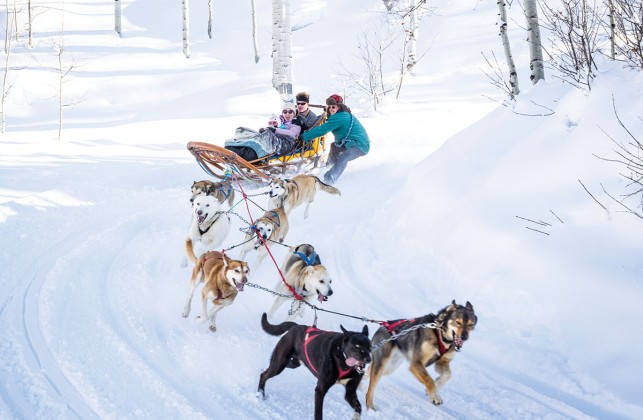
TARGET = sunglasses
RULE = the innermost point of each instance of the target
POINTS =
(287, 111)
(332, 107)
(301, 103)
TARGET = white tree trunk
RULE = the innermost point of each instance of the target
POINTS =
(255, 40)
(117, 17)
(29, 24)
(281, 49)
(535, 45)
(186, 26)
(513, 75)
(210, 15)
(414, 30)
(5, 76)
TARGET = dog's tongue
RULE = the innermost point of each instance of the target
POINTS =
(352, 362)
(201, 218)
(239, 286)
(321, 297)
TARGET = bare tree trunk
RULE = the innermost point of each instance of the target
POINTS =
(117, 17)
(29, 24)
(5, 76)
(210, 15)
(7, 26)
(413, 36)
(255, 40)
(186, 26)
(612, 30)
(282, 56)
(535, 45)
(513, 75)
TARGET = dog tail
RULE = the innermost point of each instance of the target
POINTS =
(275, 329)
(189, 249)
(328, 188)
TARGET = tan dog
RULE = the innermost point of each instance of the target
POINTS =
(271, 227)
(224, 278)
(221, 190)
(422, 347)
(304, 272)
(297, 191)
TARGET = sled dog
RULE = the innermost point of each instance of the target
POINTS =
(209, 226)
(223, 279)
(332, 357)
(271, 227)
(422, 347)
(223, 191)
(304, 272)
(291, 193)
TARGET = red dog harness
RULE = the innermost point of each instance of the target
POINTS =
(311, 333)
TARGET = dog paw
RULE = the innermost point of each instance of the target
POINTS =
(213, 328)
(356, 416)
(185, 314)
(260, 395)
(436, 399)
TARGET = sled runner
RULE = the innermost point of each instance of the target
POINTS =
(221, 163)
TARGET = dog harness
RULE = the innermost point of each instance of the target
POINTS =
(311, 333)
(441, 347)
(391, 326)
(309, 261)
(203, 232)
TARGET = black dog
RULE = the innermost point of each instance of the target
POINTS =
(331, 356)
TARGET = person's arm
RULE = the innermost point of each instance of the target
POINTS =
(331, 124)
(292, 132)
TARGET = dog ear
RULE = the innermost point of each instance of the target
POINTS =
(469, 306)
(365, 330)
(346, 333)
(225, 261)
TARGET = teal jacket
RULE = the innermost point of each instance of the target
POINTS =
(348, 131)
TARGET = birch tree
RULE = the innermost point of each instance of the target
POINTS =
(210, 15)
(255, 41)
(513, 75)
(117, 17)
(628, 23)
(281, 49)
(29, 22)
(414, 30)
(6, 87)
(535, 46)
(186, 25)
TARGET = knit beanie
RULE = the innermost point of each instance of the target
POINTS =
(290, 106)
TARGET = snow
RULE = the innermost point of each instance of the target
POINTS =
(92, 226)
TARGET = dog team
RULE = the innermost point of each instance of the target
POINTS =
(332, 357)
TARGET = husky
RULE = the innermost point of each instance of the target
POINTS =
(332, 357)
(223, 191)
(292, 193)
(209, 226)
(304, 272)
(269, 228)
(223, 279)
(422, 347)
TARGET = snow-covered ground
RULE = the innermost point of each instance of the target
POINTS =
(92, 227)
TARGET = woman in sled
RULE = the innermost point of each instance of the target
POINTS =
(277, 139)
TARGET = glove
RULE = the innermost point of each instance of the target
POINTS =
(261, 130)
(273, 129)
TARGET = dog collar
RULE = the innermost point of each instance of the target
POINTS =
(309, 261)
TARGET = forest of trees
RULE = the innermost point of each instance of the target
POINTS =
(576, 34)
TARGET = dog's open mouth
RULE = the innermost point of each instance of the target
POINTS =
(201, 217)
(321, 297)
(358, 365)
(457, 342)
(239, 285)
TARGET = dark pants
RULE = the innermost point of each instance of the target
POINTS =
(339, 157)
(245, 152)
